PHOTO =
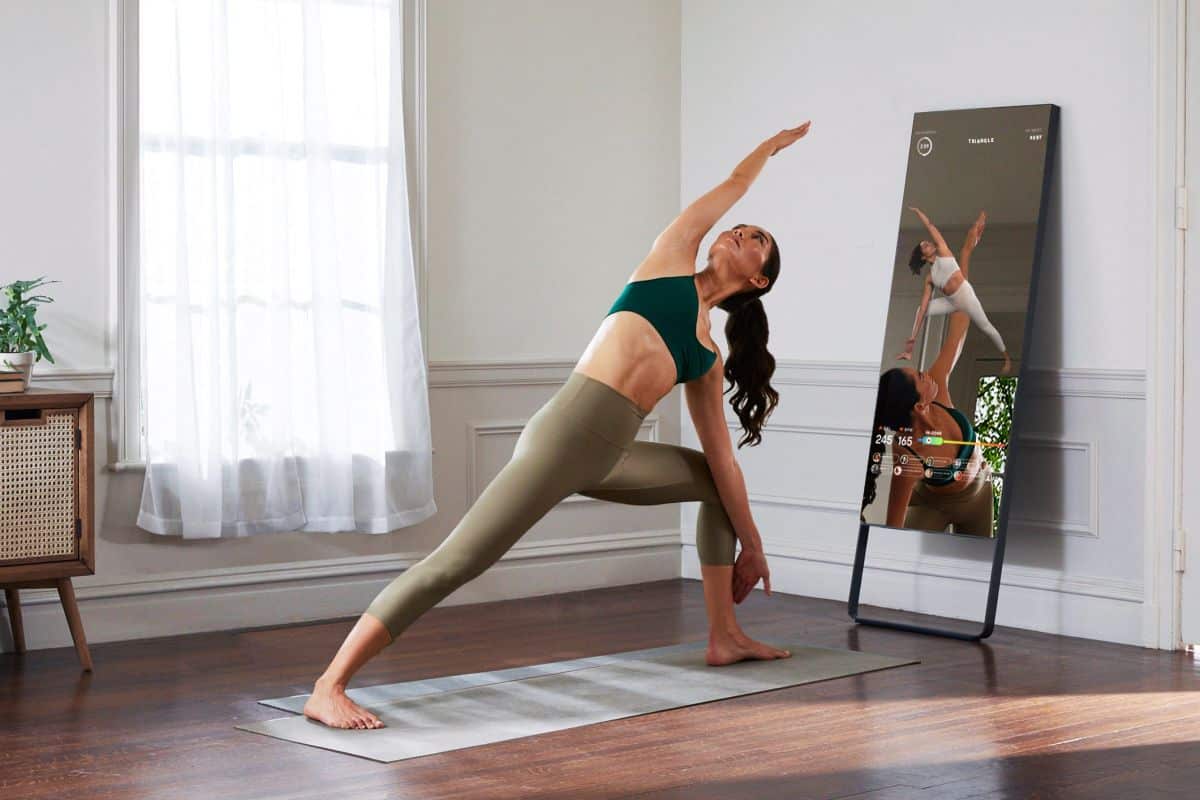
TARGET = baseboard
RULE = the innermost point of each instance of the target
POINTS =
(277, 594)
(1090, 608)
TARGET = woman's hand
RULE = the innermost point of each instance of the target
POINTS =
(787, 136)
(751, 564)
(920, 214)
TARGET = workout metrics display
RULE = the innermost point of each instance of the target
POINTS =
(962, 281)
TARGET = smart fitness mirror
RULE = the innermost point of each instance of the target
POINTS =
(959, 313)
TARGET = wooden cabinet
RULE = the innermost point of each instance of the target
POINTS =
(47, 534)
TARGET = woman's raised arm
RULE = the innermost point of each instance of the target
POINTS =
(697, 219)
(934, 233)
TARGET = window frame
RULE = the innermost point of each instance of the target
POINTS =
(124, 220)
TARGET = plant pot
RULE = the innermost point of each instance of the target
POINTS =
(18, 362)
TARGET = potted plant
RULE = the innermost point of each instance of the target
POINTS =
(20, 334)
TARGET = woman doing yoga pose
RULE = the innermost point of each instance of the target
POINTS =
(938, 484)
(582, 441)
(944, 273)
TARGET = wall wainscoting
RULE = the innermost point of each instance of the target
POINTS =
(1074, 556)
(304, 591)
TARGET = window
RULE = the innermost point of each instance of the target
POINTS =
(167, 127)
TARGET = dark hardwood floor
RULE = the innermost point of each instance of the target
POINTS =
(1024, 716)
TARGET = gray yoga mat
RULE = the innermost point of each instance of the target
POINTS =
(458, 711)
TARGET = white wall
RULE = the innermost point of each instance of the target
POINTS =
(52, 173)
(859, 71)
(555, 164)
(553, 161)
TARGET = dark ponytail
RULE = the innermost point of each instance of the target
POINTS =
(917, 260)
(750, 366)
(893, 410)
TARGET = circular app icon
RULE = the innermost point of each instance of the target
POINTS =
(903, 459)
(957, 475)
(896, 470)
(874, 469)
(928, 473)
(874, 456)
(924, 146)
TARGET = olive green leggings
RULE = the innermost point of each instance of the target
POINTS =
(581, 441)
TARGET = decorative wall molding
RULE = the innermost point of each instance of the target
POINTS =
(806, 503)
(98, 380)
(826, 374)
(1058, 382)
(1065, 382)
(1095, 383)
(796, 501)
(935, 566)
(1090, 528)
(524, 372)
(1042, 600)
(207, 599)
(1043, 381)
(352, 580)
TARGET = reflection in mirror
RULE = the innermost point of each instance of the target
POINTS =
(957, 318)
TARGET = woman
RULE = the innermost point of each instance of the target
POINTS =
(933, 486)
(944, 273)
(582, 441)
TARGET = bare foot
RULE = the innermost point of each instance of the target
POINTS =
(731, 649)
(329, 705)
(1007, 368)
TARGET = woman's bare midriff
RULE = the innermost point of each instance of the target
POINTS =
(952, 283)
(629, 355)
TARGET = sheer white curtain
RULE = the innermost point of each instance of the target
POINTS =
(284, 382)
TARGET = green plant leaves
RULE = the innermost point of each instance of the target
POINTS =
(19, 329)
(993, 423)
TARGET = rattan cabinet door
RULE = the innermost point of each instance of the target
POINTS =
(39, 493)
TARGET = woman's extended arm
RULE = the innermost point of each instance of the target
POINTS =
(934, 233)
(921, 309)
(706, 405)
(697, 219)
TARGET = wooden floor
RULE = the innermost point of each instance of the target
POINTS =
(1027, 715)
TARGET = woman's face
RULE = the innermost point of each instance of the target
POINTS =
(745, 249)
(926, 386)
(928, 250)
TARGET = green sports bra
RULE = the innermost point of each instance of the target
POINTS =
(671, 305)
(944, 476)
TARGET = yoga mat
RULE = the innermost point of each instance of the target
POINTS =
(369, 696)
(451, 713)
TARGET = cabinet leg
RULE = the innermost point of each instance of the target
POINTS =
(13, 598)
(66, 593)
